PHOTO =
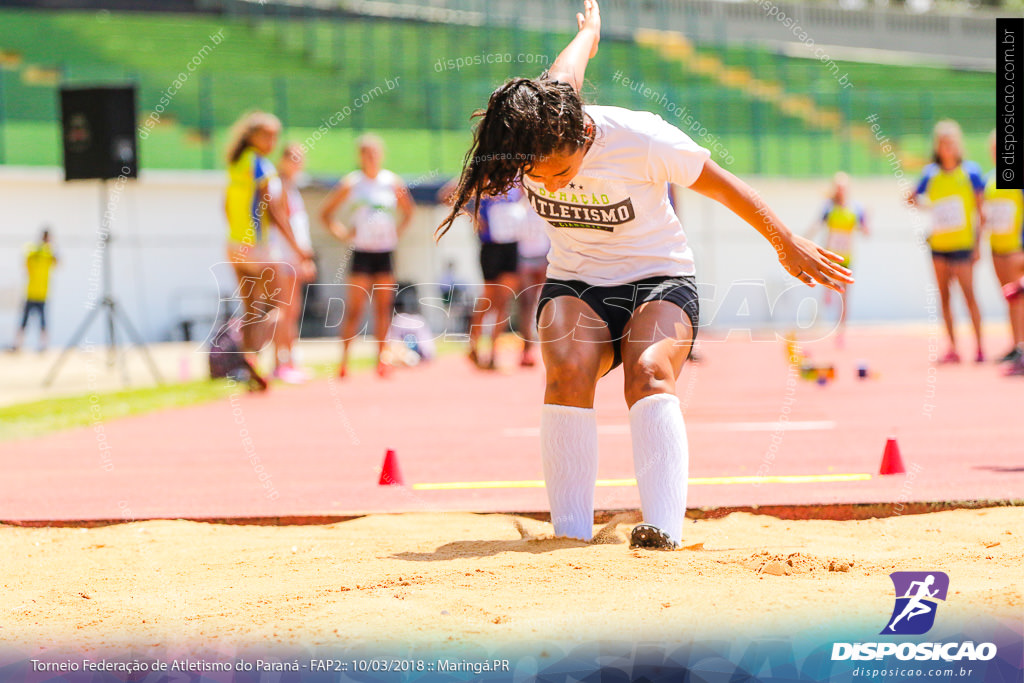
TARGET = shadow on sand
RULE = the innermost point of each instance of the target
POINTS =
(464, 549)
(528, 542)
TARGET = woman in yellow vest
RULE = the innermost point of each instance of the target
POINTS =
(39, 260)
(841, 218)
(953, 189)
(254, 196)
(1003, 218)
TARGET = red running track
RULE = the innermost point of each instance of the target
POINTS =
(320, 446)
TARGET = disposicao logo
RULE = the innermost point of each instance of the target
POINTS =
(917, 594)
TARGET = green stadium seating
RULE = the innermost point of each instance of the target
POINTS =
(307, 68)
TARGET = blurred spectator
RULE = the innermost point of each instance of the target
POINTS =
(39, 261)
(533, 265)
(840, 219)
(498, 223)
(264, 286)
(953, 188)
(378, 209)
(292, 161)
(1003, 217)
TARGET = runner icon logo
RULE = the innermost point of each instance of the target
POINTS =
(917, 594)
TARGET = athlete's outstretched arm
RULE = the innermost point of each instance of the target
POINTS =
(802, 258)
(571, 63)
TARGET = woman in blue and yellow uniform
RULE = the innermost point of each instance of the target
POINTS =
(841, 218)
(1003, 218)
(952, 188)
(253, 196)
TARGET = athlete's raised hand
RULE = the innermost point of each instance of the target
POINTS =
(571, 64)
(590, 20)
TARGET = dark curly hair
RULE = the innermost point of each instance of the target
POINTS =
(526, 119)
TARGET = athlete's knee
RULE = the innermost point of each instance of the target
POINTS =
(646, 376)
(569, 368)
(569, 372)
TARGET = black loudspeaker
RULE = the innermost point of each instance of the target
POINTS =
(98, 127)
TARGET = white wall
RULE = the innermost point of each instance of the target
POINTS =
(169, 235)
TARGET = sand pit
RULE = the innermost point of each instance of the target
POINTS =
(422, 579)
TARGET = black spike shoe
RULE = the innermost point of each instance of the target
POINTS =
(651, 538)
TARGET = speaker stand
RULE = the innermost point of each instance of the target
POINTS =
(115, 314)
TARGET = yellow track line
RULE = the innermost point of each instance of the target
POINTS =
(696, 481)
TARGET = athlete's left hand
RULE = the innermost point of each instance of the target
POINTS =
(811, 264)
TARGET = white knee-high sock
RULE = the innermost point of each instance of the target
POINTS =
(568, 449)
(661, 458)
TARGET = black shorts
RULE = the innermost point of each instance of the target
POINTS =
(615, 304)
(37, 307)
(371, 262)
(499, 259)
(958, 256)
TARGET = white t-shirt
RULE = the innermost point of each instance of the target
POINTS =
(373, 207)
(613, 223)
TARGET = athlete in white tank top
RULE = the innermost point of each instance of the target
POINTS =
(377, 209)
(373, 210)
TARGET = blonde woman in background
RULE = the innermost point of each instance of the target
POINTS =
(953, 188)
(378, 209)
(263, 285)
